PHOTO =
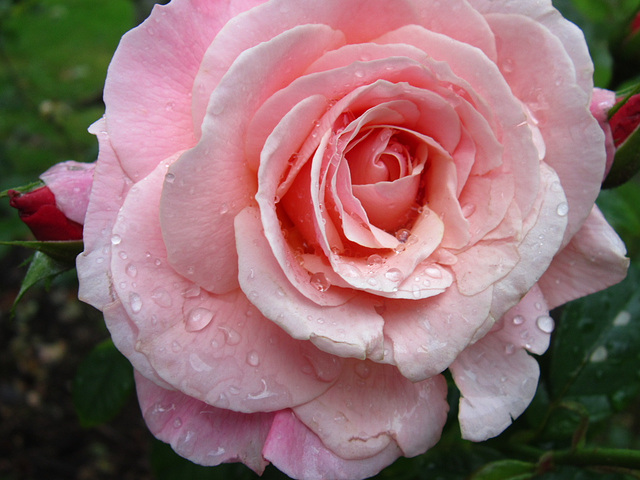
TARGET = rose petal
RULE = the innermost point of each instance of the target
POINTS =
(495, 375)
(70, 182)
(352, 418)
(198, 241)
(204, 434)
(298, 452)
(577, 154)
(428, 334)
(216, 348)
(592, 261)
(266, 286)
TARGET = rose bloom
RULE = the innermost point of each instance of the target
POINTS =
(305, 211)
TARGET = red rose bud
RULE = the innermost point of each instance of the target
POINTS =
(39, 211)
(626, 120)
(56, 211)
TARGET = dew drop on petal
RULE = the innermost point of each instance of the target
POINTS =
(375, 259)
(116, 239)
(518, 320)
(253, 359)
(509, 348)
(135, 302)
(468, 210)
(169, 178)
(161, 297)
(563, 209)
(131, 270)
(320, 281)
(198, 318)
(403, 235)
(394, 274)
(231, 336)
(362, 370)
(433, 272)
(545, 323)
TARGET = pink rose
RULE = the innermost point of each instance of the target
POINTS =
(305, 211)
(56, 211)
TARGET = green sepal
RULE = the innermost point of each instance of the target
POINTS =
(64, 252)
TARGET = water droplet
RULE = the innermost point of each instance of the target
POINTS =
(131, 270)
(394, 274)
(175, 347)
(433, 272)
(375, 259)
(169, 107)
(224, 208)
(253, 358)
(362, 370)
(234, 390)
(192, 292)
(169, 178)
(135, 301)
(116, 239)
(280, 292)
(161, 297)
(600, 354)
(99, 260)
(545, 323)
(217, 108)
(198, 364)
(349, 271)
(177, 423)
(372, 281)
(320, 281)
(198, 318)
(359, 73)
(468, 210)
(509, 348)
(518, 320)
(507, 65)
(563, 209)
(403, 235)
(231, 336)
(123, 255)
(622, 319)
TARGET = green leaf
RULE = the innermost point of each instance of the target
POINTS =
(505, 470)
(42, 267)
(596, 359)
(102, 385)
(64, 252)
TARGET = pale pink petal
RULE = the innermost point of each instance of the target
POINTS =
(593, 260)
(70, 183)
(201, 433)
(148, 87)
(493, 98)
(216, 348)
(574, 142)
(199, 235)
(428, 334)
(109, 189)
(373, 405)
(601, 102)
(543, 231)
(569, 34)
(495, 375)
(298, 452)
(353, 329)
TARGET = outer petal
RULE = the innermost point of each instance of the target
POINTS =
(148, 87)
(574, 141)
(542, 11)
(203, 434)
(593, 260)
(199, 235)
(216, 348)
(109, 189)
(496, 376)
(298, 452)
(371, 406)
